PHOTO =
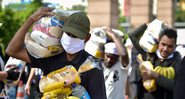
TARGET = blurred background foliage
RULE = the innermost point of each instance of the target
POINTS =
(12, 17)
(180, 14)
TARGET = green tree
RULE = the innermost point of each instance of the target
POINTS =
(12, 19)
(27, 10)
(179, 15)
(8, 28)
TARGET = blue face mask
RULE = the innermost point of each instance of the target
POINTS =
(71, 45)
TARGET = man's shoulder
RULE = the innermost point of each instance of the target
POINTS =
(177, 55)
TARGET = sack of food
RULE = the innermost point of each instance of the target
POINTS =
(150, 83)
(44, 40)
(58, 83)
(14, 63)
(149, 40)
(95, 44)
(98, 38)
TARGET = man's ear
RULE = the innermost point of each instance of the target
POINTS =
(87, 37)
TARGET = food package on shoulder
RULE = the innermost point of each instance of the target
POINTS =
(44, 39)
(14, 63)
(149, 40)
(148, 43)
(98, 35)
(39, 51)
(98, 38)
(95, 49)
(95, 45)
(51, 26)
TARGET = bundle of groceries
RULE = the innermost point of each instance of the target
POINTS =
(166, 71)
(14, 63)
(149, 40)
(149, 84)
(58, 83)
(98, 38)
(44, 39)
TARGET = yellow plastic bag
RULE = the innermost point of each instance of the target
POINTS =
(149, 84)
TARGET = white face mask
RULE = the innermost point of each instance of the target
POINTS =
(71, 45)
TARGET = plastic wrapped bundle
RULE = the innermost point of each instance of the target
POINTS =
(98, 38)
(44, 40)
(57, 83)
(150, 83)
(149, 40)
(95, 45)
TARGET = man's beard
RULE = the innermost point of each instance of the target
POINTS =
(108, 65)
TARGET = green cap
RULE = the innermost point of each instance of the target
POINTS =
(77, 24)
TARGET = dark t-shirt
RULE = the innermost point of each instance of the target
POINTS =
(92, 80)
(179, 89)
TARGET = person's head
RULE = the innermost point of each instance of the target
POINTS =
(75, 32)
(167, 42)
(111, 54)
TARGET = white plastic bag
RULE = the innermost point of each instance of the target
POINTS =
(98, 38)
(13, 63)
(149, 40)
